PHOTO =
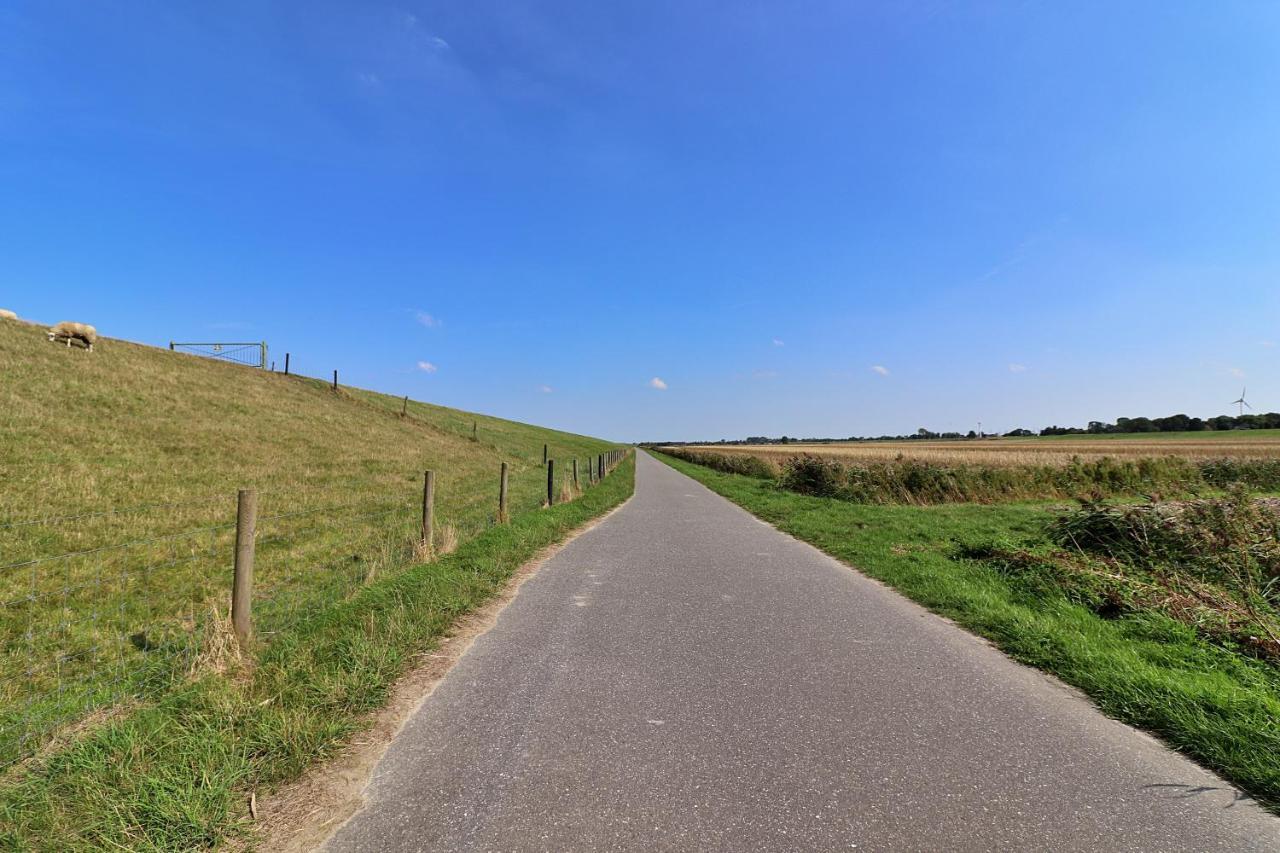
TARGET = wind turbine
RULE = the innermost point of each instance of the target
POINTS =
(1241, 403)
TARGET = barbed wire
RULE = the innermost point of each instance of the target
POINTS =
(185, 534)
(88, 629)
(62, 519)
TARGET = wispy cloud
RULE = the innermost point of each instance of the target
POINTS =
(1017, 368)
(368, 78)
(1236, 372)
(545, 389)
(427, 367)
(1267, 344)
(657, 383)
(428, 320)
(779, 342)
(411, 22)
(880, 368)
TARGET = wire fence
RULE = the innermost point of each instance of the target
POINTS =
(253, 354)
(89, 623)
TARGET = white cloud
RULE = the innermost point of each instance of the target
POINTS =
(368, 78)
(1267, 344)
(778, 342)
(1236, 372)
(545, 389)
(440, 43)
(1017, 368)
(657, 383)
(426, 367)
(427, 320)
(880, 368)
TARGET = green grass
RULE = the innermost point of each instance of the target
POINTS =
(144, 450)
(176, 774)
(1217, 706)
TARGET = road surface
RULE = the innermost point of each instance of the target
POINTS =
(684, 677)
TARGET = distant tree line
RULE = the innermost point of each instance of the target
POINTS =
(1172, 423)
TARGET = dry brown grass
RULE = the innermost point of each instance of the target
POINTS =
(1265, 444)
(567, 490)
(219, 650)
(446, 539)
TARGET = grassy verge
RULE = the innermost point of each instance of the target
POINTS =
(175, 775)
(1210, 702)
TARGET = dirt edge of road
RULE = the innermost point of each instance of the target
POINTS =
(304, 814)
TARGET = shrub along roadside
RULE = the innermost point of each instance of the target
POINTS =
(175, 775)
(1220, 707)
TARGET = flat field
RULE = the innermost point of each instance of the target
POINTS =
(1048, 450)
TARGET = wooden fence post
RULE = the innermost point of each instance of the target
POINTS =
(502, 495)
(544, 454)
(474, 436)
(335, 380)
(575, 472)
(170, 346)
(404, 409)
(286, 364)
(242, 580)
(428, 507)
(551, 481)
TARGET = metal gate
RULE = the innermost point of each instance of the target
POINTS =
(252, 354)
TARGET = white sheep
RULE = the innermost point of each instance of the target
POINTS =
(6, 314)
(82, 332)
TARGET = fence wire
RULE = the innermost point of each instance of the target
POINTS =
(87, 625)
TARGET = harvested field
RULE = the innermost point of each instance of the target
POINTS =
(1258, 444)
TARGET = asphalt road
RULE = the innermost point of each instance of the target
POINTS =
(684, 677)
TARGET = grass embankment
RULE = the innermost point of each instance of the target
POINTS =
(1204, 693)
(131, 425)
(133, 455)
(177, 775)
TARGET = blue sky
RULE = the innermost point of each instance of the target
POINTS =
(804, 218)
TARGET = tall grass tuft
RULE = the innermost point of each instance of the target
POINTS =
(1212, 565)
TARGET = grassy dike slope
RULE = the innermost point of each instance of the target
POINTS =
(128, 459)
(1221, 708)
(128, 425)
(176, 775)
(138, 443)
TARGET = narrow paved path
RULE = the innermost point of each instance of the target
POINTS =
(684, 677)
